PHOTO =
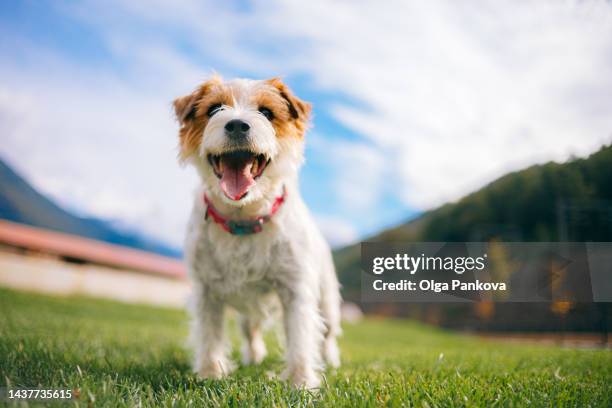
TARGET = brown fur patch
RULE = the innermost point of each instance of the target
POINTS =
(191, 112)
(296, 113)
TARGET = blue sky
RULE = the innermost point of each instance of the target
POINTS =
(414, 104)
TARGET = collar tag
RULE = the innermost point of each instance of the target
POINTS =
(245, 227)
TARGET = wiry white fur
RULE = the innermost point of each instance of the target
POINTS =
(288, 264)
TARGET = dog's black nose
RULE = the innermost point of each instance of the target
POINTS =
(237, 129)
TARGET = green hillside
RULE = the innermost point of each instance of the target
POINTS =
(554, 201)
(20, 202)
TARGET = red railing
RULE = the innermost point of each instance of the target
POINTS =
(88, 250)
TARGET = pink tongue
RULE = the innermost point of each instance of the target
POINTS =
(236, 180)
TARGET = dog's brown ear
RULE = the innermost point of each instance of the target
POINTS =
(185, 107)
(298, 109)
(186, 110)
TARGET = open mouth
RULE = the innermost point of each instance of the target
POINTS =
(238, 171)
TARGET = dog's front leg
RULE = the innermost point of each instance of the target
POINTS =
(303, 328)
(209, 336)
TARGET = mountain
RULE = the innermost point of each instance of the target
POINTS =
(20, 202)
(569, 201)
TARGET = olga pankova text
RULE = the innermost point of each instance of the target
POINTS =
(429, 285)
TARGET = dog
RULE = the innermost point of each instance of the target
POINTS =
(251, 243)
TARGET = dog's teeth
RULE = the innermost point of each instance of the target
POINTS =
(254, 166)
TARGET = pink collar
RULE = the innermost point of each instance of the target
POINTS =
(243, 227)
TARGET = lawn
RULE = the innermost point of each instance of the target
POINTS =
(126, 355)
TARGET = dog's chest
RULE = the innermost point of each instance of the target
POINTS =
(233, 265)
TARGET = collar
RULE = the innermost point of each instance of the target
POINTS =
(243, 227)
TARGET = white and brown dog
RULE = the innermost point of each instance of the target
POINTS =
(251, 240)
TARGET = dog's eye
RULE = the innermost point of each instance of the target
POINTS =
(267, 113)
(214, 109)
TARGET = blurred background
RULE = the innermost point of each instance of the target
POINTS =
(432, 121)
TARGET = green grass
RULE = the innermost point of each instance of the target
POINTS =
(120, 355)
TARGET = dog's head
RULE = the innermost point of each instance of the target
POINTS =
(245, 137)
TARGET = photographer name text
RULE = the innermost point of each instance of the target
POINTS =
(413, 264)
(428, 285)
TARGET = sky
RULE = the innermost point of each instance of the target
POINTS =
(415, 103)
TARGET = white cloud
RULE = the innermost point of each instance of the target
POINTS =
(357, 169)
(97, 142)
(459, 95)
(336, 230)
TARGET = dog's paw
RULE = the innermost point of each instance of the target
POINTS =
(214, 369)
(331, 353)
(302, 378)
